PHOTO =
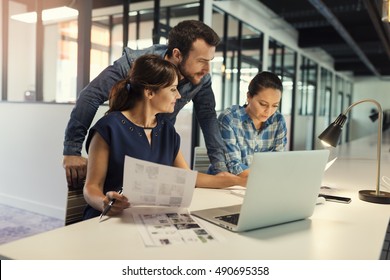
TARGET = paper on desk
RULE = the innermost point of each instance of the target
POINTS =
(148, 183)
(151, 184)
(169, 226)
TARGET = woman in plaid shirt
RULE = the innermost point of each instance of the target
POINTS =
(257, 126)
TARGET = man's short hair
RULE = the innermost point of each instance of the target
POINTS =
(186, 32)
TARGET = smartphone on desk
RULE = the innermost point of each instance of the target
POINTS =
(335, 198)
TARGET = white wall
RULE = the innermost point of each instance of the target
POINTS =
(31, 172)
(374, 88)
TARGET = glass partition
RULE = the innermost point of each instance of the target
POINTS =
(225, 64)
(325, 94)
(251, 58)
(340, 95)
(282, 61)
(323, 117)
(231, 56)
(65, 69)
(218, 66)
(348, 98)
(308, 80)
(305, 117)
(238, 59)
(340, 104)
(21, 80)
(50, 58)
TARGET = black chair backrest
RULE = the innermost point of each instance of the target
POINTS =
(75, 206)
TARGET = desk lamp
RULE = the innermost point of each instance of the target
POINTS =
(330, 137)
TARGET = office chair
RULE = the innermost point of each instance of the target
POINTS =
(75, 206)
(201, 160)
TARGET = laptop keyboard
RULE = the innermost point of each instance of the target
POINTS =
(232, 219)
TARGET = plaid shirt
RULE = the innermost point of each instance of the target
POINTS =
(242, 139)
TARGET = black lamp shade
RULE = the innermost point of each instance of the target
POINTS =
(331, 134)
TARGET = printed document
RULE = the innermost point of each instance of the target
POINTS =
(148, 183)
(167, 191)
(161, 227)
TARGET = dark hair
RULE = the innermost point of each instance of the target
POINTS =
(187, 32)
(148, 72)
(264, 80)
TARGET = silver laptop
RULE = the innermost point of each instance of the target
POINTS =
(282, 187)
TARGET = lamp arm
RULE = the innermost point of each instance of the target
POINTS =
(379, 140)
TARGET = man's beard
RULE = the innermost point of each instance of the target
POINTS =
(186, 75)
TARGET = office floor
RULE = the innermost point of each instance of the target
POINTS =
(17, 223)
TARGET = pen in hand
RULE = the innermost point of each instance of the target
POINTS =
(108, 207)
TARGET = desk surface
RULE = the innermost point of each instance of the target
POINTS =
(335, 231)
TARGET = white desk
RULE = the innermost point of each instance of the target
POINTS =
(335, 231)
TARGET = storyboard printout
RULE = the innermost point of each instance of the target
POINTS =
(159, 195)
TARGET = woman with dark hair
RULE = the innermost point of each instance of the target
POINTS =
(191, 47)
(257, 126)
(134, 126)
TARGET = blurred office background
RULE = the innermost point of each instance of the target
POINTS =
(328, 54)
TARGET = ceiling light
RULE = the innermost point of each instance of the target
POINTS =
(55, 14)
